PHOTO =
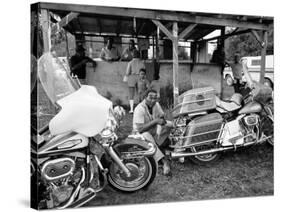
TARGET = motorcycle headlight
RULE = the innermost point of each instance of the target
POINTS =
(106, 133)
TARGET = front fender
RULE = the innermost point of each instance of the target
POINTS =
(135, 147)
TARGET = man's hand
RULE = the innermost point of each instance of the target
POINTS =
(160, 121)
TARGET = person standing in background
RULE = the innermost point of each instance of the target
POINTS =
(132, 76)
(142, 84)
(78, 64)
(127, 54)
(237, 70)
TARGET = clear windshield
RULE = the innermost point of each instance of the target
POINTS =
(54, 77)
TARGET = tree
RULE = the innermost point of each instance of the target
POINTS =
(247, 45)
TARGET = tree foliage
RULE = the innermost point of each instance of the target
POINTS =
(247, 45)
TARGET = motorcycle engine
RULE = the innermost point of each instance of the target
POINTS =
(58, 168)
(250, 123)
(58, 174)
(177, 134)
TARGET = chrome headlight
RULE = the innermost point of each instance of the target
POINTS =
(251, 120)
(107, 133)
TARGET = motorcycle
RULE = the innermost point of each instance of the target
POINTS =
(78, 153)
(205, 126)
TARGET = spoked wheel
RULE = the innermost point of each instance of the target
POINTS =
(143, 171)
(205, 159)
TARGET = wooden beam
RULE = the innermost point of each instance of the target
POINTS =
(140, 27)
(168, 25)
(187, 31)
(163, 29)
(175, 64)
(256, 35)
(227, 35)
(45, 23)
(263, 55)
(155, 14)
(64, 21)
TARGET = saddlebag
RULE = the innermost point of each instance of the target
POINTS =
(194, 101)
(204, 128)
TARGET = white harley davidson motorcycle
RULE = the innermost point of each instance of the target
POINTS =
(205, 126)
(78, 152)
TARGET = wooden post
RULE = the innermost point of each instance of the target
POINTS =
(46, 30)
(157, 44)
(175, 63)
(263, 54)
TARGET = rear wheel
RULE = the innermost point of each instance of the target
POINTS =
(143, 171)
(206, 159)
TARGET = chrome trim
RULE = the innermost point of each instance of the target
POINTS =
(57, 161)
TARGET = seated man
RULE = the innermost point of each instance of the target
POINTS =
(149, 121)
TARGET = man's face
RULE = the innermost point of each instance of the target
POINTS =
(151, 99)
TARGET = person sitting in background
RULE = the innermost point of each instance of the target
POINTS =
(148, 115)
(142, 84)
(127, 54)
(78, 64)
(132, 76)
(109, 52)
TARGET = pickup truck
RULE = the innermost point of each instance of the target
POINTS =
(253, 64)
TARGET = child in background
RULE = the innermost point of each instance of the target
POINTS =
(142, 84)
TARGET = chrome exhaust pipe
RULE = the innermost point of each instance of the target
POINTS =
(188, 154)
(211, 151)
(75, 193)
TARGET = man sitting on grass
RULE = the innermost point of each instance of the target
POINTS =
(149, 120)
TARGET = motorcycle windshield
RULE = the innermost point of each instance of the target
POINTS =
(54, 77)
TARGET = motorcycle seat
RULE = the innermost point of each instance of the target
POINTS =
(224, 106)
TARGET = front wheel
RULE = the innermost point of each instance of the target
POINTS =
(206, 159)
(143, 171)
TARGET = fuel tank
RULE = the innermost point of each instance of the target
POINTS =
(251, 107)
